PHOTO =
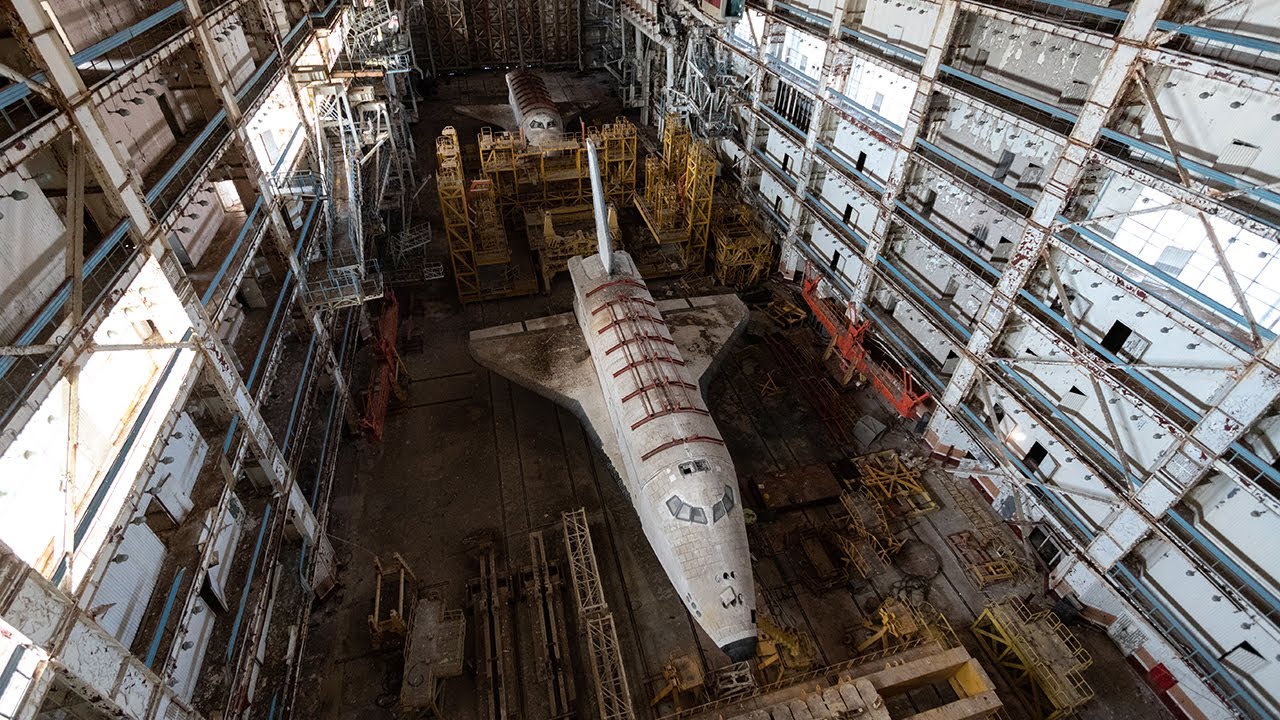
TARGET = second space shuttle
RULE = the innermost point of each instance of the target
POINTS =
(634, 370)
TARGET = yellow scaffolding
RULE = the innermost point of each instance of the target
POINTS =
(700, 182)
(618, 142)
(898, 624)
(888, 479)
(491, 247)
(782, 649)
(869, 526)
(557, 234)
(676, 203)
(555, 172)
(1042, 660)
(451, 187)
(742, 249)
(676, 139)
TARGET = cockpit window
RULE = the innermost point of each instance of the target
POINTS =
(684, 511)
(723, 505)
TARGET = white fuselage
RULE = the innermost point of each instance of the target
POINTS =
(534, 111)
(677, 470)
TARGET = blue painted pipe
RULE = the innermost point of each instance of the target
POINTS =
(164, 617)
(248, 582)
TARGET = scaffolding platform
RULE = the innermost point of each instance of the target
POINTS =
(1042, 660)
(341, 283)
(889, 480)
(743, 250)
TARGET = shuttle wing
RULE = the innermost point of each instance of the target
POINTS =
(500, 116)
(549, 356)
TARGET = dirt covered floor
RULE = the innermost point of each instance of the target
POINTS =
(470, 461)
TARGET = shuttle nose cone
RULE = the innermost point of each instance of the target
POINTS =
(740, 650)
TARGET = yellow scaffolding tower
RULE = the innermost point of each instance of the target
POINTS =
(451, 187)
(676, 139)
(1043, 661)
(618, 143)
(699, 185)
(676, 204)
(743, 249)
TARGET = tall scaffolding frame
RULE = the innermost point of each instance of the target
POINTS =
(451, 188)
(743, 250)
(677, 201)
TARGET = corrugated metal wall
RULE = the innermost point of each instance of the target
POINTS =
(128, 583)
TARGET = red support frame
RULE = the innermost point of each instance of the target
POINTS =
(848, 336)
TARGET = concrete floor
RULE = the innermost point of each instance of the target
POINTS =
(469, 458)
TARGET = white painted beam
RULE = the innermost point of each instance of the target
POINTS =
(88, 658)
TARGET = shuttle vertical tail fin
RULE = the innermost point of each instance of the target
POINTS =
(603, 240)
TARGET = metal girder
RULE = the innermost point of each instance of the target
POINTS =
(237, 397)
(38, 32)
(1066, 172)
(1199, 196)
(1070, 315)
(219, 78)
(821, 128)
(1171, 144)
(123, 190)
(1180, 468)
(89, 659)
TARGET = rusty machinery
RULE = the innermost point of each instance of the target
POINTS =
(781, 649)
(683, 683)
(848, 352)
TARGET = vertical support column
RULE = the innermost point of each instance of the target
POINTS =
(768, 40)
(75, 315)
(916, 119)
(1067, 170)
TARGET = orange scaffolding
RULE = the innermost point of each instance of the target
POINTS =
(848, 348)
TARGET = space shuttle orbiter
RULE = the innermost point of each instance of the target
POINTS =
(634, 371)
